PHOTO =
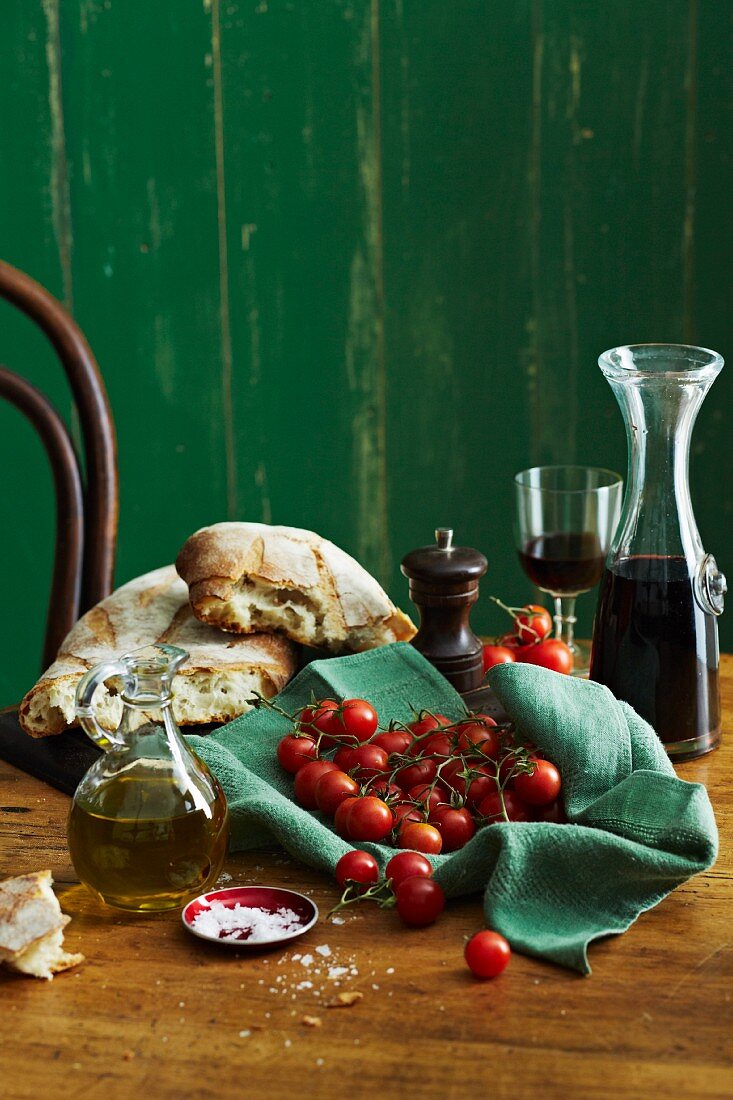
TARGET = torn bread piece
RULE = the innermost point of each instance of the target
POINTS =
(214, 685)
(32, 927)
(244, 577)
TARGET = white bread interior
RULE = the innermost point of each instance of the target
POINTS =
(32, 927)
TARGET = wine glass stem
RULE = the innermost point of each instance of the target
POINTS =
(565, 619)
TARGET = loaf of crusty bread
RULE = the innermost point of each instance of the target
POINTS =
(212, 686)
(32, 927)
(244, 577)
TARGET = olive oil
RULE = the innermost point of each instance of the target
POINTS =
(140, 843)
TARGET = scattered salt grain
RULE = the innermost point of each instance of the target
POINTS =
(306, 960)
(319, 1061)
(374, 986)
(304, 985)
(244, 1034)
(288, 1042)
(324, 950)
(245, 922)
(337, 920)
(337, 971)
(295, 958)
(390, 970)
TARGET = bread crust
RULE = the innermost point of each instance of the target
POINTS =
(155, 608)
(219, 561)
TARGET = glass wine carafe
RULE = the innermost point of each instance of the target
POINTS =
(655, 640)
(148, 826)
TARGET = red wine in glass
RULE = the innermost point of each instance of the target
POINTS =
(563, 562)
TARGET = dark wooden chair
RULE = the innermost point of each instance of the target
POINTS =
(86, 510)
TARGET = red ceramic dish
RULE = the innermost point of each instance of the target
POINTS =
(269, 898)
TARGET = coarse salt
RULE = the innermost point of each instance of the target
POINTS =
(245, 922)
(324, 950)
(337, 971)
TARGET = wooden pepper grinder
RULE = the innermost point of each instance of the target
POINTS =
(444, 583)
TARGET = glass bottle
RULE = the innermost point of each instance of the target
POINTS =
(148, 825)
(655, 639)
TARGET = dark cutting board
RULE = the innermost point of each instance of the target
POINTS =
(62, 760)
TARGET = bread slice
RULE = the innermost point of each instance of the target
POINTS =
(32, 927)
(244, 577)
(212, 686)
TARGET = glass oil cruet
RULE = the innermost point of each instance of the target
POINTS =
(655, 640)
(148, 826)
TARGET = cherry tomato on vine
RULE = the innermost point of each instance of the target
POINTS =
(426, 723)
(332, 788)
(487, 954)
(365, 761)
(383, 789)
(369, 818)
(405, 865)
(295, 752)
(497, 655)
(357, 866)
(429, 795)
(422, 771)
(490, 808)
(510, 642)
(421, 837)
(306, 779)
(357, 720)
(393, 741)
(456, 826)
(420, 901)
(440, 744)
(319, 719)
(552, 654)
(406, 811)
(541, 787)
(533, 623)
(340, 817)
(479, 732)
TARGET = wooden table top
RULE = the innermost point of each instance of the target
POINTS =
(152, 1009)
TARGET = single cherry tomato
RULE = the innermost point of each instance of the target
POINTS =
(393, 741)
(294, 752)
(541, 787)
(482, 785)
(405, 865)
(451, 775)
(422, 771)
(320, 721)
(332, 788)
(357, 866)
(421, 837)
(510, 642)
(306, 779)
(369, 819)
(497, 655)
(552, 654)
(533, 623)
(367, 761)
(479, 733)
(456, 826)
(356, 721)
(490, 808)
(404, 812)
(487, 954)
(420, 900)
(340, 818)
(440, 744)
(426, 723)
(429, 795)
(385, 790)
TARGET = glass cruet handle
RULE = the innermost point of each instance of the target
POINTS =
(711, 586)
(84, 706)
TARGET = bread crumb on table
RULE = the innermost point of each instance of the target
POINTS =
(346, 1000)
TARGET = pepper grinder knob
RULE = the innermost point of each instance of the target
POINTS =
(444, 585)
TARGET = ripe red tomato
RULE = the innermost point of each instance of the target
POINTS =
(490, 807)
(306, 779)
(340, 818)
(318, 718)
(332, 788)
(356, 722)
(369, 818)
(487, 954)
(440, 744)
(405, 865)
(456, 826)
(422, 771)
(363, 762)
(421, 837)
(357, 866)
(294, 752)
(497, 655)
(420, 900)
(393, 741)
(385, 790)
(479, 732)
(484, 784)
(426, 722)
(429, 795)
(552, 654)
(541, 787)
(533, 623)
(406, 811)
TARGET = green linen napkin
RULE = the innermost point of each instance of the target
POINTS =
(635, 833)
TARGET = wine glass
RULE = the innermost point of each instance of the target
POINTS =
(565, 519)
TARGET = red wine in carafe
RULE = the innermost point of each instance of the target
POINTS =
(563, 561)
(655, 647)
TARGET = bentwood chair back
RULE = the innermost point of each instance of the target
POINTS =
(86, 505)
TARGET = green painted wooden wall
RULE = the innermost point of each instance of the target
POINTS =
(348, 264)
